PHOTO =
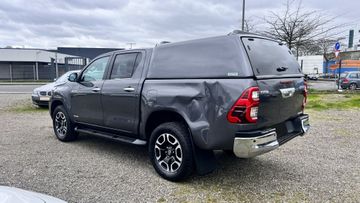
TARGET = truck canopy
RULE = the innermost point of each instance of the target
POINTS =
(215, 57)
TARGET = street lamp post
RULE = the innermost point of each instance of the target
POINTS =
(243, 16)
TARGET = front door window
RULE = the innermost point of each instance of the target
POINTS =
(95, 71)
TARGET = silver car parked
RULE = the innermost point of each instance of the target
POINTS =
(41, 95)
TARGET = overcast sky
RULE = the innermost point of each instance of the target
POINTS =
(114, 23)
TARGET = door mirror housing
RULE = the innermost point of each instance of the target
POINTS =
(73, 77)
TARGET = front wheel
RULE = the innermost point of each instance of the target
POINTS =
(170, 151)
(63, 127)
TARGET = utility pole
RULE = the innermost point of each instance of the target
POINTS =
(243, 16)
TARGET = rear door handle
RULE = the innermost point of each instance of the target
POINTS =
(96, 89)
(129, 89)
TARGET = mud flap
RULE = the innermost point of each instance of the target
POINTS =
(205, 161)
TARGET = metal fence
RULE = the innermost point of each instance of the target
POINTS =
(33, 71)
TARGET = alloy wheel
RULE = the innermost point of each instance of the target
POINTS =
(60, 124)
(168, 152)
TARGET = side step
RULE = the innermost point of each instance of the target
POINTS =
(111, 136)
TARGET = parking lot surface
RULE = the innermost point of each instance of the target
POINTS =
(322, 85)
(321, 166)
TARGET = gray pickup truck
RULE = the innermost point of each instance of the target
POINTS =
(241, 93)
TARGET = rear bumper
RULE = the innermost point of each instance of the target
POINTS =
(344, 85)
(248, 146)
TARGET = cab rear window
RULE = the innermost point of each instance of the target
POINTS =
(268, 57)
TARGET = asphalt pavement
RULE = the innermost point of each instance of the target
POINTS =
(18, 88)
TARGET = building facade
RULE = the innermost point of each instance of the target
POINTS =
(40, 64)
(311, 64)
(350, 61)
(353, 39)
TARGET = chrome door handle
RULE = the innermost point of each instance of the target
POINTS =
(96, 89)
(129, 89)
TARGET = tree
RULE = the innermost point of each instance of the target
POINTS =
(298, 28)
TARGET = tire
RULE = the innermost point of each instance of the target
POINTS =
(170, 151)
(64, 128)
(353, 86)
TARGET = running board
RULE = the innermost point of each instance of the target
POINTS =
(111, 136)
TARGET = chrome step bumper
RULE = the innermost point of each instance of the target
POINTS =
(254, 146)
(247, 147)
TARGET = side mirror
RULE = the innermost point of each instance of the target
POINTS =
(73, 77)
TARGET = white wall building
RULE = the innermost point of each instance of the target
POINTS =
(312, 64)
(35, 64)
(31, 55)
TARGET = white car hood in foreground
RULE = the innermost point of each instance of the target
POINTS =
(16, 195)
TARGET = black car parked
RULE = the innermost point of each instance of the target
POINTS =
(241, 93)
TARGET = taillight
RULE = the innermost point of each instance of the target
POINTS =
(305, 93)
(245, 109)
(345, 80)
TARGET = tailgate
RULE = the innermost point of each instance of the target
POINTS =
(280, 100)
(279, 79)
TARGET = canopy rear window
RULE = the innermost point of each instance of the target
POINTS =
(268, 57)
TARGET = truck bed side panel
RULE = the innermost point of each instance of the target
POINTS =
(203, 103)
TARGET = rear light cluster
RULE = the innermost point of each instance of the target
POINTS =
(245, 109)
(305, 96)
(345, 80)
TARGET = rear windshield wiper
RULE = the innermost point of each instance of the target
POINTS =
(281, 69)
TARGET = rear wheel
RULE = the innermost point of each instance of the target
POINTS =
(63, 127)
(170, 151)
(353, 86)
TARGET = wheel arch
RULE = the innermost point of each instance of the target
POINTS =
(53, 105)
(162, 116)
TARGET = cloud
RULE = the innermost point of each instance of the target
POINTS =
(114, 23)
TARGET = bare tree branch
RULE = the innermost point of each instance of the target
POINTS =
(301, 29)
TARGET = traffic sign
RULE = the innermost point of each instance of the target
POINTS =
(337, 46)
